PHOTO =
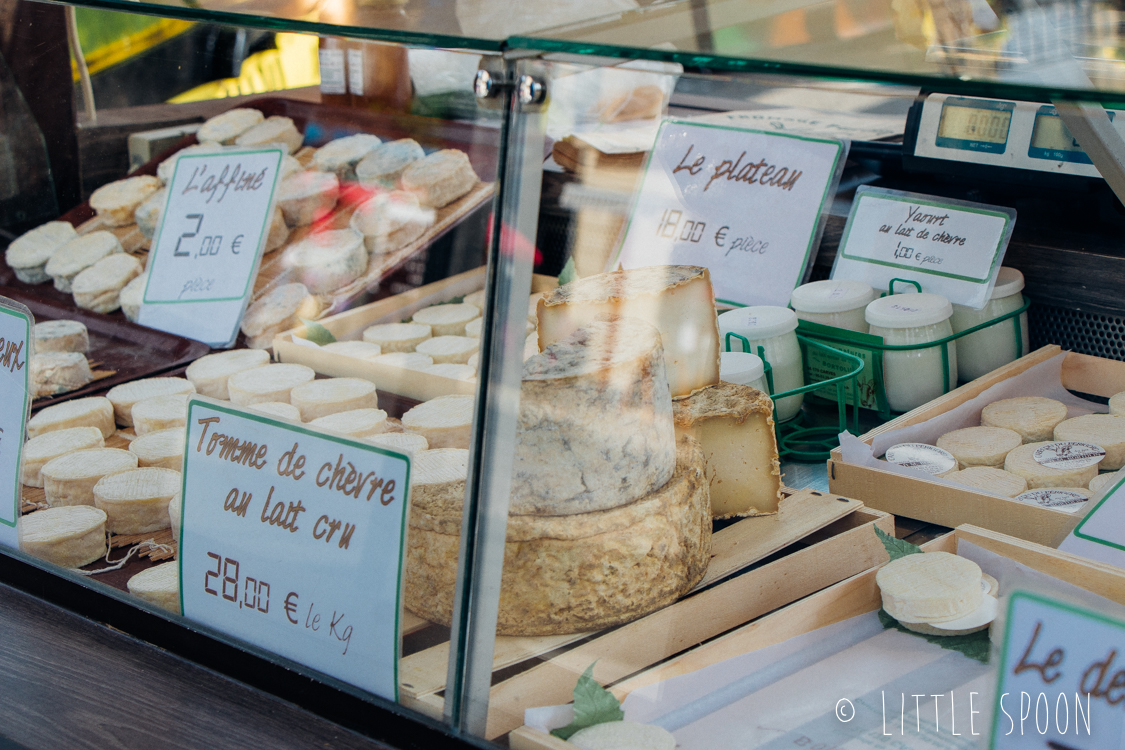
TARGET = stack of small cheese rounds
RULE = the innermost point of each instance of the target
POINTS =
(937, 593)
(59, 364)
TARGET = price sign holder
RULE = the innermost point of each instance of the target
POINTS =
(749, 205)
(950, 247)
(1100, 534)
(208, 246)
(16, 344)
(292, 540)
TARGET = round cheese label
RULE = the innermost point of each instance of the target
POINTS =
(928, 458)
(1064, 500)
(1068, 455)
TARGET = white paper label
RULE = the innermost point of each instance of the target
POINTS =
(952, 248)
(1068, 455)
(1060, 677)
(332, 79)
(927, 458)
(1101, 534)
(207, 248)
(292, 539)
(1057, 499)
(15, 399)
(355, 71)
(746, 204)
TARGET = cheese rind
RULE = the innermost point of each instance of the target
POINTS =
(320, 398)
(353, 349)
(386, 162)
(980, 446)
(307, 196)
(28, 254)
(1021, 461)
(159, 585)
(437, 481)
(166, 170)
(930, 587)
(209, 374)
(452, 371)
(1117, 404)
(160, 413)
(277, 409)
(94, 411)
(405, 360)
(734, 426)
(990, 479)
(70, 478)
(341, 156)
(397, 337)
(445, 421)
(53, 373)
(328, 260)
(124, 396)
(269, 383)
(61, 336)
(440, 178)
(678, 300)
(623, 735)
(98, 287)
(1103, 430)
(132, 296)
(136, 502)
(272, 131)
(404, 442)
(225, 128)
(117, 202)
(79, 254)
(449, 349)
(147, 215)
(276, 311)
(70, 537)
(1033, 417)
(1101, 482)
(163, 449)
(447, 320)
(390, 221)
(39, 450)
(359, 423)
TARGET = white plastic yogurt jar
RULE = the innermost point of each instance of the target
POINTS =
(982, 352)
(837, 302)
(913, 377)
(744, 369)
(775, 330)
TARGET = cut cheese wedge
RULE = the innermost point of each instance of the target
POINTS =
(990, 479)
(70, 478)
(61, 336)
(980, 446)
(449, 349)
(326, 261)
(440, 178)
(28, 254)
(1103, 430)
(354, 349)
(277, 409)
(271, 132)
(98, 287)
(341, 155)
(276, 311)
(306, 197)
(397, 337)
(623, 735)
(445, 421)
(452, 371)
(1033, 417)
(1076, 473)
(319, 398)
(447, 320)
(79, 254)
(405, 360)
(358, 423)
(930, 587)
(269, 383)
(124, 396)
(69, 537)
(117, 202)
(136, 502)
(225, 128)
(437, 480)
(403, 442)
(159, 585)
(209, 374)
(39, 450)
(95, 411)
(53, 373)
(163, 449)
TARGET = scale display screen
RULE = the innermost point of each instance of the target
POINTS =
(974, 125)
(1051, 139)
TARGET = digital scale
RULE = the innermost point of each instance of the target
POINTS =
(995, 139)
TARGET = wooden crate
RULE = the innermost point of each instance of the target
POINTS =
(944, 504)
(849, 598)
(822, 539)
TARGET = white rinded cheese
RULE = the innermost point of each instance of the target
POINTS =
(571, 455)
(132, 296)
(474, 361)
(447, 320)
(163, 449)
(117, 202)
(148, 213)
(307, 196)
(136, 501)
(623, 735)
(930, 587)
(166, 170)
(977, 620)
(476, 299)
(159, 585)
(390, 221)
(678, 300)
(1033, 417)
(387, 161)
(437, 480)
(1117, 404)
(1062, 499)
(319, 398)
(278, 310)
(277, 409)
(60, 336)
(270, 132)
(98, 287)
(94, 411)
(341, 155)
(269, 383)
(328, 260)
(397, 337)
(440, 178)
(229, 125)
(734, 426)
(125, 395)
(1022, 461)
(278, 233)
(209, 374)
(452, 371)
(404, 442)
(175, 512)
(449, 349)
(39, 450)
(1101, 481)
(69, 537)
(290, 166)
(354, 349)
(358, 423)
(70, 478)
(1103, 430)
(28, 254)
(472, 329)
(160, 413)
(405, 360)
(990, 479)
(980, 446)
(53, 373)
(79, 254)
(445, 421)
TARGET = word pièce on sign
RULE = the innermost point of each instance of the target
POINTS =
(16, 323)
(292, 539)
(207, 248)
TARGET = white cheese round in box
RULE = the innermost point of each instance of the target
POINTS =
(990, 479)
(340, 156)
(276, 311)
(358, 423)
(160, 413)
(452, 371)
(229, 125)
(53, 373)
(447, 320)
(39, 450)
(136, 502)
(28, 254)
(404, 360)
(159, 585)
(923, 457)
(209, 374)
(1055, 464)
(60, 336)
(79, 254)
(1103, 430)
(449, 349)
(623, 735)
(163, 449)
(1066, 499)
(94, 411)
(273, 131)
(307, 196)
(353, 349)
(269, 383)
(70, 478)
(444, 421)
(278, 409)
(1033, 417)
(397, 337)
(117, 202)
(980, 446)
(124, 396)
(326, 261)
(930, 587)
(319, 398)
(98, 287)
(69, 537)
(404, 442)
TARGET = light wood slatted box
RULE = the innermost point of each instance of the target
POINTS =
(940, 503)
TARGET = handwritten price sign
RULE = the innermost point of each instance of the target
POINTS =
(747, 204)
(15, 353)
(293, 539)
(207, 248)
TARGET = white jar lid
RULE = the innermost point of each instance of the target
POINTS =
(758, 322)
(908, 310)
(832, 296)
(742, 368)
(1008, 282)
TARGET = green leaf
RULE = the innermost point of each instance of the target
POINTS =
(896, 548)
(593, 704)
(975, 645)
(317, 333)
(569, 273)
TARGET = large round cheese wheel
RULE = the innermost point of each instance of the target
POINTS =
(1103, 430)
(1022, 461)
(71, 537)
(1033, 417)
(990, 479)
(440, 178)
(930, 587)
(575, 573)
(277, 409)
(980, 446)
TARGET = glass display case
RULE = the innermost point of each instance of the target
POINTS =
(590, 362)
